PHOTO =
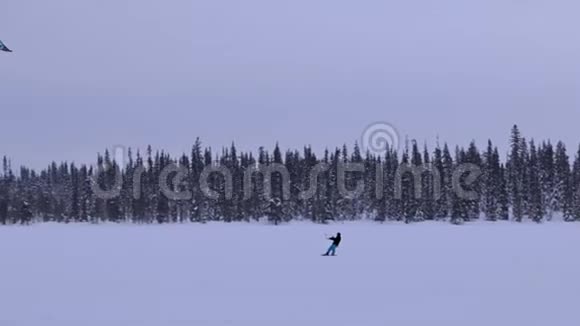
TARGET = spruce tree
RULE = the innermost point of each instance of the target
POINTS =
(428, 184)
(473, 158)
(575, 188)
(547, 181)
(515, 175)
(492, 183)
(503, 195)
(535, 206)
(448, 193)
(562, 193)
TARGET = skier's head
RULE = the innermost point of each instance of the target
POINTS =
(338, 235)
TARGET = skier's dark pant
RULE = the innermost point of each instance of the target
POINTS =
(331, 250)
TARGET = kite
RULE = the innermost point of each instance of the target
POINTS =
(4, 47)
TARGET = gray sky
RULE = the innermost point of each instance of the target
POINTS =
(87, 75)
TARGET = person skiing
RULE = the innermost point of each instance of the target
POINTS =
(335, 243)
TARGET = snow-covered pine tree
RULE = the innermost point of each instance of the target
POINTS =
(534, 198)
(75, 193)
(415, 211)
(575, 187)
(515, 175)
(393, 204)
(447, 193)
(275, 203)
(561, 201)
(361, 202)
(492, 183)
(438, 166)
(461, 206)
(428, 184)
(546, 157)
(525, 163)
(503, 195)
(473, 157)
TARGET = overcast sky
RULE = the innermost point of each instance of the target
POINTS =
(89, 74)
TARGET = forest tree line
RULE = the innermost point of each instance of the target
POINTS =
(537, 181)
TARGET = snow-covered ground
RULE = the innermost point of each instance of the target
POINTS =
(258, 275)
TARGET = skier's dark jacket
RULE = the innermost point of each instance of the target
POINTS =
(336, 240)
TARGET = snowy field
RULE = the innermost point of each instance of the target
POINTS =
(257, 275)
